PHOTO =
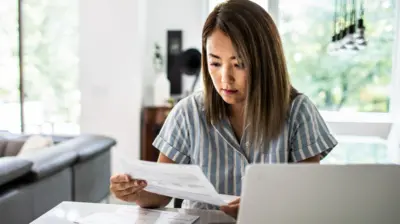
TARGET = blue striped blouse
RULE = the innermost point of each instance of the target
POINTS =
(186, 138)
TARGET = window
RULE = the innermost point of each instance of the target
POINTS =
(49, 73)
(9, 67)
(50, 43)
(355, 149)
(358, 82)
(351, 88)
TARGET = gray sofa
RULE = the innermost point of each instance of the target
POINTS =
(74, 169)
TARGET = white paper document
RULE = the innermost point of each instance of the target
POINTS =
(138, 216)
(175, 180)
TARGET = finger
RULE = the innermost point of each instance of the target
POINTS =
(231, 210)
(128, 187)
(122, 186)
(130, 178)
(140, 183)
(127, 192)
(236, 201)
(118, 178)
(125, 185)
(132, 190)
(129, 198)
(227, 210)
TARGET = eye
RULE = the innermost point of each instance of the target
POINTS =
(215, 64)
(239, 66)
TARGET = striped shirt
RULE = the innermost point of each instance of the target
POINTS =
(186, 138)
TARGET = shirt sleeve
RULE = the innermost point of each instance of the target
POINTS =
(310, 134)
(173, 138)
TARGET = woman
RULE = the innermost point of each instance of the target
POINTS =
(247, 113)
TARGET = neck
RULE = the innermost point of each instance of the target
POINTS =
(236, 120)
(237, 110)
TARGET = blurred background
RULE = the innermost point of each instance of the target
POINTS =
(72, 67)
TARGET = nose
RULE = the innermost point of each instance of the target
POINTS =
(226, 75)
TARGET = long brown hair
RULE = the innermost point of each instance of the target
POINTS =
(256, 39)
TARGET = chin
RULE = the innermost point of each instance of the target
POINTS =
(232, 100)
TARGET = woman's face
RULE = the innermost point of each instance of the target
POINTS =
(228, 74)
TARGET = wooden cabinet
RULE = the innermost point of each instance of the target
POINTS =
(152, 120)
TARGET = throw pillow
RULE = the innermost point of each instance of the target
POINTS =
(35, 143)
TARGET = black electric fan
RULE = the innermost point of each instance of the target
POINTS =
(189, 62)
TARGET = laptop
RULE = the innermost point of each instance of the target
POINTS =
(312, 193)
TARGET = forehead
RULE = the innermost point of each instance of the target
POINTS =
(219, 43)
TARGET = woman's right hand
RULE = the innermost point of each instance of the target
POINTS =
(126, 188)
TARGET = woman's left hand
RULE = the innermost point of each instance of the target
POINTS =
(232, 208)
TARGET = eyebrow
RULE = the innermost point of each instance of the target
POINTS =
(216, 56)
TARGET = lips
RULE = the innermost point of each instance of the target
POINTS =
(229, 91)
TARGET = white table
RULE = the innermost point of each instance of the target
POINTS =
(68, 212)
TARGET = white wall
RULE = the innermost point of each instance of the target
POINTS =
(116, 49)
(111, 70)
(163, 15)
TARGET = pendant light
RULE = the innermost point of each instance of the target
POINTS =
(333, 45)
(348, 36)
(343, 31)
(360, 33)
(350, 44)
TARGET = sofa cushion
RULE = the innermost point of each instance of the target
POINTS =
(11, 168)
(88, 146)
(50, 161)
